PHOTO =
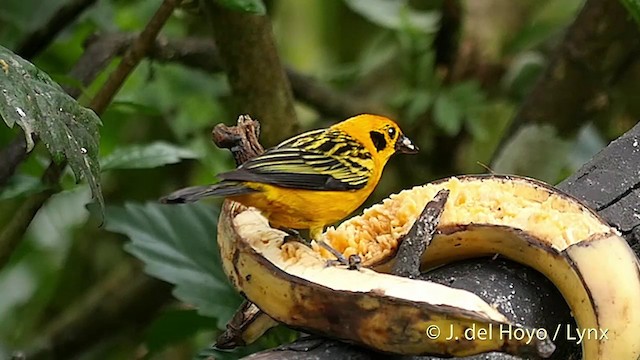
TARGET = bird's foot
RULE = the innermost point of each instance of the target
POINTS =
(353, 263)
(294, 235)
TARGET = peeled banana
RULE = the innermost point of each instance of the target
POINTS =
(522, 219)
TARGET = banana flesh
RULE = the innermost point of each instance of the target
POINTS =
(519, 218)
(531, 223)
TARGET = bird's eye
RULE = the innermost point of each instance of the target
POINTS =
(392, 132)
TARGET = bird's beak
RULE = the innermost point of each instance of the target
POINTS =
(405, 146)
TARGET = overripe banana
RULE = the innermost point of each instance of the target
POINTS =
(521, 219)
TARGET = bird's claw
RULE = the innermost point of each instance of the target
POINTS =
(293, 235)
(352, 263)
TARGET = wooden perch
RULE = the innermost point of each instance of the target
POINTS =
(242, 140)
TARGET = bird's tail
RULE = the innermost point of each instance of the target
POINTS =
(195, 193)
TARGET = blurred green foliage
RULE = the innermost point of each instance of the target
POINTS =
(451, 72)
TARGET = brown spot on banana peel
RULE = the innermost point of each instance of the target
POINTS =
(238, 279)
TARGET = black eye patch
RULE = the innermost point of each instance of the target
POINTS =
(378, 140)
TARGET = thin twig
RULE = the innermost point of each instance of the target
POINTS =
(13, 232)
(328, 101)
(38, 40)
(133, 56)
(12, 156)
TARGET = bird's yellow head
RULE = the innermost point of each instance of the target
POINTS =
(380, 135)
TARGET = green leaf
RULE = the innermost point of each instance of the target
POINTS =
(251, 6)
(548, 19)
(395, 14)
(633, 6)
(586, 144)
(133, 108)
(146, 156)
(467, 95)
(20, 185)
(471, 102)
(178, 244)
(175, 325)
(523, 72)
(447, 115)
(418, 105)
(29, 98)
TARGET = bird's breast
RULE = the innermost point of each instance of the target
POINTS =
(302, 209)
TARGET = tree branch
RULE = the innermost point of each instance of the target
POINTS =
(12, 156)
(249, 55)
(201, 53)
(14, 231)
(330, 102)
(38, 40)
(599, 45)
(133, 56)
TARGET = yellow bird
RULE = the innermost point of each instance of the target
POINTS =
(312, 179)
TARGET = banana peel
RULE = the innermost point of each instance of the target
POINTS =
(519, 218)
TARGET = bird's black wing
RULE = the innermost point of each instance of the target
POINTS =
(323, 159)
